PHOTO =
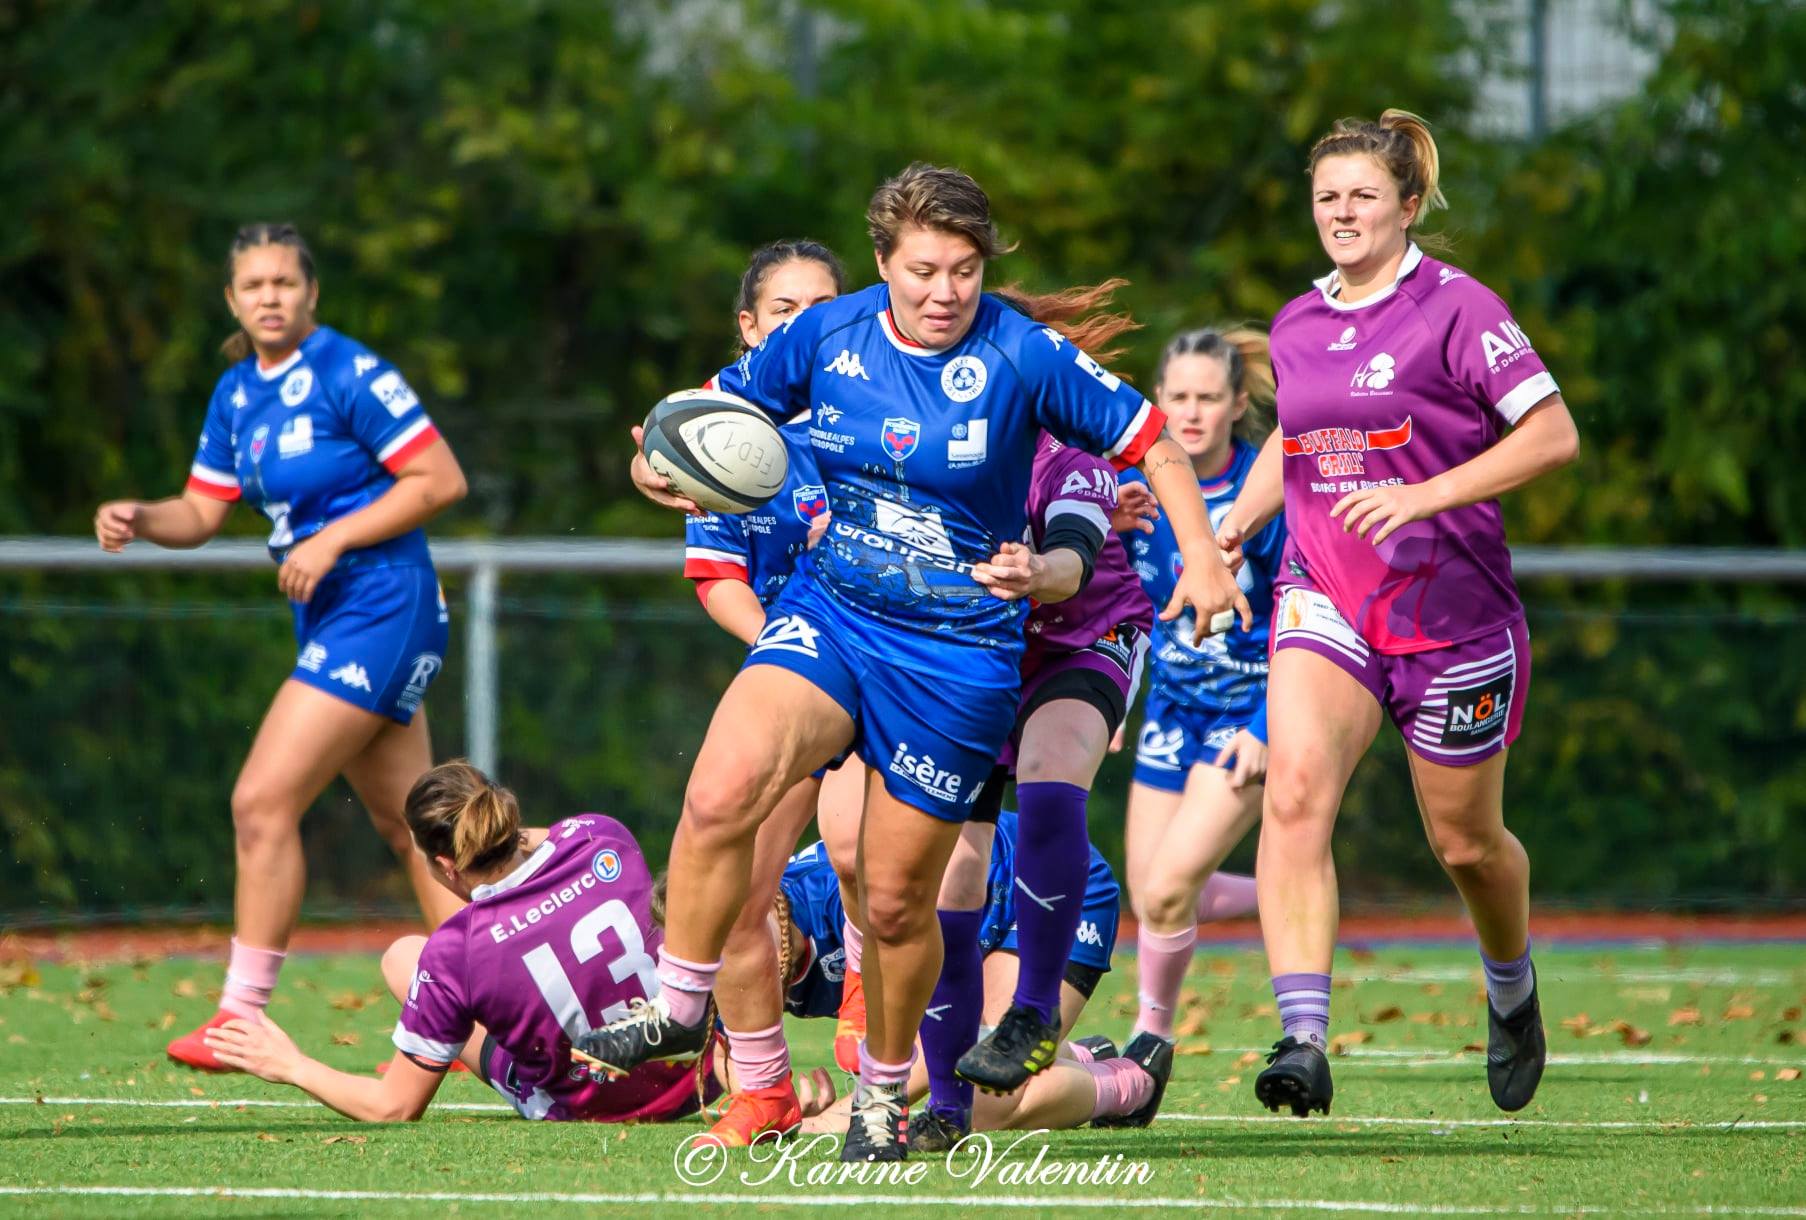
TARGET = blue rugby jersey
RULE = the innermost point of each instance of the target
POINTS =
(927, 453)
(762, 547)
(313, 439)
(1228, 672)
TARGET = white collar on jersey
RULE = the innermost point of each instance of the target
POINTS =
(908, 347)
(277, 370)
(528, 867)
(1331, 284)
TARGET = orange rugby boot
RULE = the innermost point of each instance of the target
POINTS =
(849, 1030)
(192, 1050)
(755, 1113)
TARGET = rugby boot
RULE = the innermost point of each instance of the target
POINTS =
(755, 1114)
(1002, 1061)
(1153, 1055)
(647, 1034)
(1297, 1075)
(849, 1028)
(1101, 1047)
(1515, 1052)
(191, 1048)
(939, 1129)
(877, 1129)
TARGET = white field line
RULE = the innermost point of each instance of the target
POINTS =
(1728, 1125)
(1559, 970)
(904, 1198)
(1401, 1057)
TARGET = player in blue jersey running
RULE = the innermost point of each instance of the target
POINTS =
(329, 442)
(928, 398)
(739, 563)
(1202, 752)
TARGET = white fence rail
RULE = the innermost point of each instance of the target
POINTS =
(488, 560)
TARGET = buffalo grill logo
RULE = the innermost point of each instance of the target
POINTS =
(1342, 452)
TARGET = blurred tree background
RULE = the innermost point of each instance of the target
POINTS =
(539, 210)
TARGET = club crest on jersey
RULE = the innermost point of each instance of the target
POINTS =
(607, 865)
(1376, 374)
(901, 437)
(810, 501)
(963, 379)
(297, 386)
(260, 439)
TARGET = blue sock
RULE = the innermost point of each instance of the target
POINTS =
(1304, 1006)
(1508, 984)
(950, 1026)
(1053, 862)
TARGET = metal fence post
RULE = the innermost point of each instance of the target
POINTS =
(481, 678)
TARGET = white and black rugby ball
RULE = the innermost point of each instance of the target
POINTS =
(717, 449)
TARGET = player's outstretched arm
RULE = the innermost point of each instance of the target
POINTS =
(179, 522)
(735, 608)
(1205, 584)
(264, 1050)
(1263, 494)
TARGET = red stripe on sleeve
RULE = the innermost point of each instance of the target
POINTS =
(1144, 439)
(715, 569)
(213, 491)
(408, 452)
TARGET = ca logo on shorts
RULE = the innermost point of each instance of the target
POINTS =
(1158, 747)
(790, 632)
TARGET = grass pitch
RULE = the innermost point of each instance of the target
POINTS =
(1675, 1088)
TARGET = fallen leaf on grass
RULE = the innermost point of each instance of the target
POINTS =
(19, 974)
(1392, 1012)
(1758, 1074)
(347, 1001)
(1259, 1010)
(1648, 995)
(1629, 1034)
(1192, 1048)
(166, 1021)
(187, 989)
(1247, 1059)
(1431, 989)
(1231, 1080)
(346, 1039)
(1191, 1027)
(1361, 954)
(1580, 1024)
(1791, 1014)
(1429, 1018)
(1479, 1047)
(1222, 966)
(1339, 1044)
(197, 1091)
(267, 1138)
(1788, 1074)
(1739, 1012)
(346, 1139)
(1760, 1099)
(1685, 1016)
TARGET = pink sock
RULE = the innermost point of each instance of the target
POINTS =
(761, 1059)
(854, 940)
(1081, 1053)
(1161, 959)
(874, 1071)
(250, 978)
(686, 986)
(1226, 896)
(1122, 1087)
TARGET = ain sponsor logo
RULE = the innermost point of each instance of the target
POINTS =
(1504, 345)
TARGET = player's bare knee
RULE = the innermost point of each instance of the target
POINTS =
(1294, 806)
(897, 913)
(400, 960)
(722, 808)
(1462, 851)
(1166, 907)
(260, 814)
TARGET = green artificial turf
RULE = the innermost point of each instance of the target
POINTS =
(1673, 1091)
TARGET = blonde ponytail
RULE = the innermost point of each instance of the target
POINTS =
(1428, 162)
(456, 811)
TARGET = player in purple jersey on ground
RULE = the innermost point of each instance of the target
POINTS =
(559, 933)
(328, 441)
(739, 563)
(1409, 401)
(885, 644)
(1202, 751)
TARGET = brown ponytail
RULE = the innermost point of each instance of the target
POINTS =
(238, 344)
(456, 811)
(1066, 312)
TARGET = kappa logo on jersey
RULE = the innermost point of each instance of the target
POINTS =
(791, 633)
(1053, 336)
(426, 665)
(900, 437)
(351, 674)
(921, 771)
(260, 439)
(964, 378)
(1088, 934)
(240, 399)
(968, 443)
(829, 414)
(1346, 342)
(312, 657)
(811, 501)
(1505, 347)
(363, 364)
(297, 386)
(394, 393)
(1158, 747)
(1375, 374)
(847, 364)
(296, 437)
(1341, 452)
(606, 865)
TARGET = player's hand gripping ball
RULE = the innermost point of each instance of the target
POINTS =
(715, 449)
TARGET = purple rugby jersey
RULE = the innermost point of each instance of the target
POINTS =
(552, 950)
(1393, 389)
(1071, 482)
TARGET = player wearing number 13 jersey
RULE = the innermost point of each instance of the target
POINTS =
(558, 935)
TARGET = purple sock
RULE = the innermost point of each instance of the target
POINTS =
(1304, 1006)
(950, 1026)
(1052, 865)
(1508, 984)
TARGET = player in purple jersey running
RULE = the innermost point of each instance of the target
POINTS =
(559, 932)
(328, 441)
(885, 643)
(1203, 742)
(1409, 401)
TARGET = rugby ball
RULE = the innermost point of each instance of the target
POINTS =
(717, 449)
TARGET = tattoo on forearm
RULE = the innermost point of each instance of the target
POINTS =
(1165, 459)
